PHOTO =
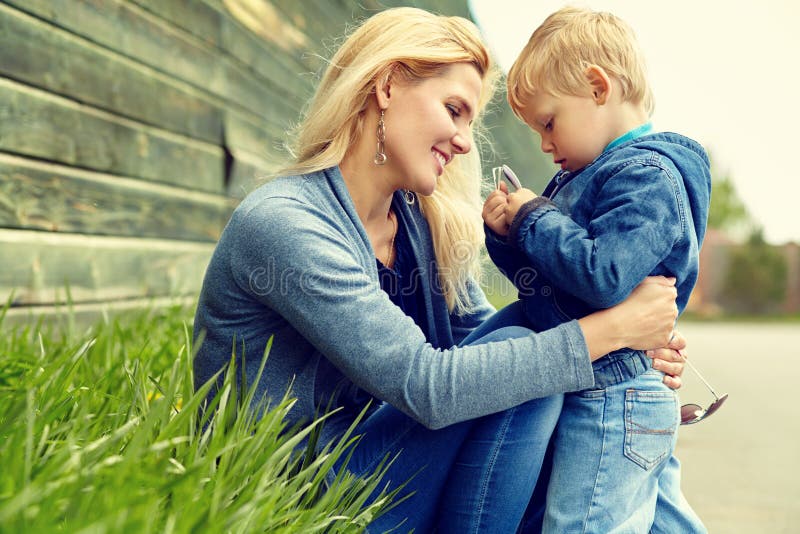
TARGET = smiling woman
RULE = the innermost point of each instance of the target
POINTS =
(364, 75)
(358, 265)
(429, 122)
(439, 108)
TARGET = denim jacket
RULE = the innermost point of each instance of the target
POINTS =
(295, 262)
(639, 209)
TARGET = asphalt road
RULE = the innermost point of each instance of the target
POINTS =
(741, 466)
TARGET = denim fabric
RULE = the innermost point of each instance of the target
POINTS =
(673, 513)
(295, 262)
(474, 476)
(613, 466)
(639, 209)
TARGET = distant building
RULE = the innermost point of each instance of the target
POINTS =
(707, 298)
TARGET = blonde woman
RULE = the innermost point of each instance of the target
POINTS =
(361, 261)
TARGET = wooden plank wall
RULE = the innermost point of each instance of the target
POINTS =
(130, 128)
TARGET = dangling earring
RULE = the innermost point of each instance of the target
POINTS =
(410, 197)
(380, 155)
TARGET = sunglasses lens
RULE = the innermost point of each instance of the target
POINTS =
(716, 404)
(691, 413)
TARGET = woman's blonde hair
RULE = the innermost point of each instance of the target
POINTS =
(411, 44)
(558, 53)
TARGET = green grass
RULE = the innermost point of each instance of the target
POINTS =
(100, 432)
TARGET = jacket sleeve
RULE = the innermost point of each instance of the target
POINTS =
(636, 222)
(315, 281)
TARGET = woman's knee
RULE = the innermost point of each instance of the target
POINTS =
(543, 412)
(503, 333)
(510, 316)
(531, 422)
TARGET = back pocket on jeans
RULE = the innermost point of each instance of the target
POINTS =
(651, 419)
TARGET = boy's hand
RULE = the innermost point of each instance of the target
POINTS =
(494, 210)
(515, 202)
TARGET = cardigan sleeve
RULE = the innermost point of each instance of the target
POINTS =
(291, 256)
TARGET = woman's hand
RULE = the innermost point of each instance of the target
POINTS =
(644, 320)
(649, 313)
(669, 360)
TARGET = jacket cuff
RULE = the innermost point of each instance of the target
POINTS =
(540, 204)
(493, 237)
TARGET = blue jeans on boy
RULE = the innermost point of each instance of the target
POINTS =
(613, 468)
(610, 465)
(474, 476)
(612, 459)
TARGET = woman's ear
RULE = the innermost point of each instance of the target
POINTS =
(383, 89)
(599, 84)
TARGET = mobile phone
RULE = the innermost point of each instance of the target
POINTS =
(505, 171)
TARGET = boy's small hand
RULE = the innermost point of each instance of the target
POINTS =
(515, 202)
(494, 210)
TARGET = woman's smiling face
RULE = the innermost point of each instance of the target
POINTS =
(428, 122)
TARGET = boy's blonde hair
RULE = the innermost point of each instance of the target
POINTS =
(411, 45)
(570, 40)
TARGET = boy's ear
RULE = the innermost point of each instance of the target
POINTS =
(599, 84)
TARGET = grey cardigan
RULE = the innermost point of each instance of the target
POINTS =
(294, 262)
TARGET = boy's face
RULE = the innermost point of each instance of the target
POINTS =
(574, 129)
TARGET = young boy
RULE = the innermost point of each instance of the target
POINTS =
(626, 204)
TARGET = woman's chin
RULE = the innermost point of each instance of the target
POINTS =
(424, 191)
(426, 188)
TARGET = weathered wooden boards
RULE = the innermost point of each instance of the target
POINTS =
(43, 196)
(96, 268)
(122, 140)
(129, 129)
(102, 54)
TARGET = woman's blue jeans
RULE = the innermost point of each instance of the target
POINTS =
(474, 476)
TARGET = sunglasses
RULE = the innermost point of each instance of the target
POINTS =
(505, 172)
(694, 413)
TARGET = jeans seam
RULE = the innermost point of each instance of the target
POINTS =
(599, 466)
(374, 462)
(495, 452)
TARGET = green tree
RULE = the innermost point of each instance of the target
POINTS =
(726, 212)
(756, 278)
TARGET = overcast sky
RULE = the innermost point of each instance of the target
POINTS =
(723, 72)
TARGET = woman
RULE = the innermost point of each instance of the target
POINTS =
(361, 262)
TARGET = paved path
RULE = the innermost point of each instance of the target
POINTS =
(741, 466)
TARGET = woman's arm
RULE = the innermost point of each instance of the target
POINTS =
(642, 321)
(637, 322)
(309, 272)
(308, 267)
